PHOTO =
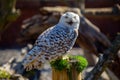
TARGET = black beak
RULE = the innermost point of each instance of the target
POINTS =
(70, 22)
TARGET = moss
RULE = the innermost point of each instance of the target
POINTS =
(80, 64)
(4, 74)
(61, 64)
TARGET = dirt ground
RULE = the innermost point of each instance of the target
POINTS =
(6, 54)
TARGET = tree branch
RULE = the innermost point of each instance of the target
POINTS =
(104, 60)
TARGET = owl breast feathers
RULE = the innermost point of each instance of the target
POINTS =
(56, 40)
(52, 43)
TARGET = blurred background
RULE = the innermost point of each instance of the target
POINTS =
(21, 21)
(104, 14)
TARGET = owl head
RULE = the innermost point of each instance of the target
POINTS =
(70, 19)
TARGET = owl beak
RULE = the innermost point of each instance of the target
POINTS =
(70, 22)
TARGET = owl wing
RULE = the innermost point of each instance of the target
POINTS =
(35, 57)
(56, 40)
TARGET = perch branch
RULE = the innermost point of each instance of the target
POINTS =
(104, 60)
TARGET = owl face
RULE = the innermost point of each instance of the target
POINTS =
(70, 19)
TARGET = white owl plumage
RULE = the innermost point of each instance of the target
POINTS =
(54, 42)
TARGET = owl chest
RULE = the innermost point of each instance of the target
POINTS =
(62, 41)
(58, 42)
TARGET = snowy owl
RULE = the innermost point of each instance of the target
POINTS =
(54, 42)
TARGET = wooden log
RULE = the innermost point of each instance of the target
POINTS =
(64, 74)
(59, 75)
(70, 70)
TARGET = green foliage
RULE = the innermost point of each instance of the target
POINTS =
(80, 64)
(13, 16)
(61, 64)
(4, 74)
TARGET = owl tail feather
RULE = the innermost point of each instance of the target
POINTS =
(32, 60)
(35, 64)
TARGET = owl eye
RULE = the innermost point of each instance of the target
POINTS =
(66, 17)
